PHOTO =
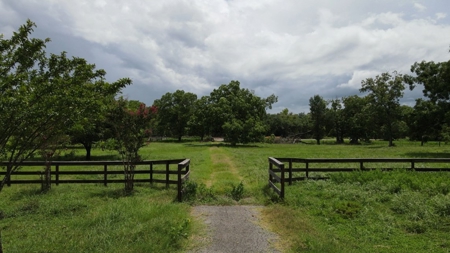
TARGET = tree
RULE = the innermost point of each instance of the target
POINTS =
(40, 96)
(435, 78)
(238, 113)
(129, 133)
(200, 122)
(359, 119)
(424, 122)
(93, 126)
(337, 119)
(318, 111)
(384, 94)
(174, 111)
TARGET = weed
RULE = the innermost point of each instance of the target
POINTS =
(237, 192)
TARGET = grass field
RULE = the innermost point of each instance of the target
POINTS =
(353, 212)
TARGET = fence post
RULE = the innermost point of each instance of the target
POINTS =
(151, 173)
(361, 166)
(307, 171)
(412, 165)
(179, 183)
(105, 175)
(167, 174)
(282, 181)
(57, 174)
(270, 169)
(290, 171)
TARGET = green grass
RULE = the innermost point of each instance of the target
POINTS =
(353, 212)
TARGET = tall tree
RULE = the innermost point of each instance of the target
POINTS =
(435, 78)
(359, 118)
(40, 96)
(337, 120)
(384, 93)
(174, 111)
(200, 122)
(318, 111)
(238, 113)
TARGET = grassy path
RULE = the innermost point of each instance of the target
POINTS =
(224, 171)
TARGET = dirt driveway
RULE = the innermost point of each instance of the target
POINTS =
(233, 229)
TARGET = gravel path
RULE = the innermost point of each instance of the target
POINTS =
(233, 229)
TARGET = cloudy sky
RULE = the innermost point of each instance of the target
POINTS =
(291, 48)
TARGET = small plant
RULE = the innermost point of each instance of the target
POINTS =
(237, 192)
(180, 230)
(197, 192)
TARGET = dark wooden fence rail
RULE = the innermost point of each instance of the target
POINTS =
(359, 162)
(182, 172)
(274, 178)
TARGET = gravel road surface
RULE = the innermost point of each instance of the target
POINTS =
(233, 229)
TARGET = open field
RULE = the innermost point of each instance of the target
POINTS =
(353, 212)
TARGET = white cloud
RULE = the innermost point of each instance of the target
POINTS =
(419, 7)
(441, 15)
(357, 77)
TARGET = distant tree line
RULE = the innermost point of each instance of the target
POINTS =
(378, 114)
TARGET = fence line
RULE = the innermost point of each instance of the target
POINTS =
(360, 162)
(182, 172)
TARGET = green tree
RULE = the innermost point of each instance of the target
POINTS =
(384, 93)
(435, 78)
(174, 112)
(337, 120)
(424, 121)
(318, 111)
(200, 122)
(41, 95)
(129, 127)
(356, 117)
(238, 113)
(93, 126)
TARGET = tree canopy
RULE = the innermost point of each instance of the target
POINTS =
(238, 113)
(41, 95)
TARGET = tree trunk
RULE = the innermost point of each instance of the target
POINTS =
(88, 147)
(2, 184)
(318, 141)
(129, 179)
(1, 245)
(9, 171)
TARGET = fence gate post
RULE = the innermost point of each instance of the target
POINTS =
(282, 181)
(179, 183)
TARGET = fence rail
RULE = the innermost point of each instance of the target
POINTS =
(286, 165)
(182, 171)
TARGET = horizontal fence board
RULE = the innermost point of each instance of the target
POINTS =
(274, 187)
(90, 163)
(275, 176)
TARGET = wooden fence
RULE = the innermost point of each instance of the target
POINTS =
(279, 166)
(182, 171)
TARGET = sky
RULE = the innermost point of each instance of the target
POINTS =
(294, 49)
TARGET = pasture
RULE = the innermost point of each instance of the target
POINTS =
(376, 211)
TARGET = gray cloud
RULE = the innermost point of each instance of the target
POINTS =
(294, 49)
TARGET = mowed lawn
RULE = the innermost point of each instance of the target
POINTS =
(352, 212)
